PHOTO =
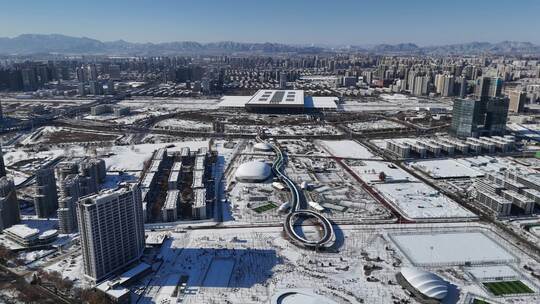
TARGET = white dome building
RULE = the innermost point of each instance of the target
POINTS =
(264, 147)
(427, 283)
(253, 172)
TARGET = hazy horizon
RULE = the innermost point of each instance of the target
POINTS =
(290, 22)
(278, 42)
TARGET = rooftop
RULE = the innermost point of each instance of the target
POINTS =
(253, 171)
(278, 97)
(420, 201)
(426, 282)
(199, 198)
(172, 199)
(22, 231)
(424, 249)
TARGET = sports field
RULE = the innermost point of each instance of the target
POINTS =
(265, 208)
(507, 287)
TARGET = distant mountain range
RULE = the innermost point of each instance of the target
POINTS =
(55, 43)
(471, 48)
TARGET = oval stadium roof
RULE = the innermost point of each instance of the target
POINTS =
(427, 283)
(253, 171)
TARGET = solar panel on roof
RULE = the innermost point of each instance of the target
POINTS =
(278, 97)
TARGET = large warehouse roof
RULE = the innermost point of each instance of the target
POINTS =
(288, 99)
(278, 98)
(253, 171)
(429, 284)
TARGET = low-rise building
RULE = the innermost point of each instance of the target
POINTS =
(30, 237)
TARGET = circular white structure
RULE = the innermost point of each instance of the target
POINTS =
(427, 283)
(264, 147)
(299, 296)
(253, 172)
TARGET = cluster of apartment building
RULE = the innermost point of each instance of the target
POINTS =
(509, 192)
(150, 181)
(449, 146)
(171, 171)
(77, 179)
(199, 206)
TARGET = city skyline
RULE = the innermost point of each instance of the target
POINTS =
(208, 151)
(301, 22)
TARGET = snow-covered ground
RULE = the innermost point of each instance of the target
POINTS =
(61, 135)
(169, 104)
(394, 104)
(127, 119)
(258, 264)
(445, 168)
(131, 158)
(440, 249)
(347, 149)
(331, 185)
(182, 124)
(117, 158)
(370, 172)
(374, 125)
(299, 130)
(419, 201)
(39, 134)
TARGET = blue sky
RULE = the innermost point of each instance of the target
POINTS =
(358, 22)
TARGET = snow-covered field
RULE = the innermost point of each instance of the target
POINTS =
(131, 158)
(374, 125)
(419, 201)
(300, 130)
(258, 264)
(370, 172)
(128, 119)
(117, 158)
(182, 124)
(445, 168)
(474, 248)
(395, 102)
(347, 149)
(168, 104)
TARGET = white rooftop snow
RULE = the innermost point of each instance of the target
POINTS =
(420, 201)
(253, 171)
(347, 149)
(445, 168)
(493, 272)
(233, 101)
(22, 231)
(426, 282)
(452, 248)
(369, 172)
(278, 97)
